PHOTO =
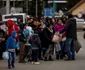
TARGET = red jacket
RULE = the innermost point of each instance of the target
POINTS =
(11, 27)
(17, 29)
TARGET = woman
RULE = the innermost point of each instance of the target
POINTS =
(57, 28)
(47, 42)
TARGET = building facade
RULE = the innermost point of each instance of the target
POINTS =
(17, 4)
(78, 8)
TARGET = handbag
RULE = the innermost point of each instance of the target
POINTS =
(84, 36)
(55, 38)
(77, 46)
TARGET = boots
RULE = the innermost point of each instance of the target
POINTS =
(57, 57)
(45, 59)
(50, 58)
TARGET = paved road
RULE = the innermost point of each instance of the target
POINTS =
(78, 64)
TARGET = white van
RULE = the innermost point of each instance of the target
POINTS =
(14, 17)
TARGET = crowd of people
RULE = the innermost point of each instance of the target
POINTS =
(34, 39)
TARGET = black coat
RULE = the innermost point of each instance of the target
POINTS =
(70, 29)
(47, 38)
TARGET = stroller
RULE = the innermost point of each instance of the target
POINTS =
(28, 52)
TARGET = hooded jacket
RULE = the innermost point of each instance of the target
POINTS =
(11, 42)
(11, 27)
(35, 41)
(70, 29)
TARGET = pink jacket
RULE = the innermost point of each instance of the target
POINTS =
(58, 28)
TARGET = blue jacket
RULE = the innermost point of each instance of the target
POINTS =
(11, 44)
(26, 32)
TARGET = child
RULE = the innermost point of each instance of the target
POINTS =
(10, 47)
(36, 44)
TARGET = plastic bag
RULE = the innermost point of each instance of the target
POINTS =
(5, 56)
(55, 38)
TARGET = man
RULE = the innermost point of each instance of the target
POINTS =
(20, 23)
(22, 39)
(71, 35)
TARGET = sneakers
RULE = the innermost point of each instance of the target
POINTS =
(36, 63)
(32, 62)
(45, 59)
(13, 66)
(9, 67)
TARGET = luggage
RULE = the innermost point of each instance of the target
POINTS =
(77, 46)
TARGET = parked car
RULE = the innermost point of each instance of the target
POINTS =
(80, 24)
(14, 17)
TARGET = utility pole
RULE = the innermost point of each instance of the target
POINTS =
(27, 6)
(54, 7)
(36, 9)
(7, 6)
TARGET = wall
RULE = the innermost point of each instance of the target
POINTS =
(80, 8)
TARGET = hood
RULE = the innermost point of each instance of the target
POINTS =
(10, 22)
(13, 33)
(29, 28)
(34, 37)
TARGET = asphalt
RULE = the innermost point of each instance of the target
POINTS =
(78, 64)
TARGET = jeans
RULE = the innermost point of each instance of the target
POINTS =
(35, 55)
(11, 59)
(62, 44)
(70, 49)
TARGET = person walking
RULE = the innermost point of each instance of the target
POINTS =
(10, 47)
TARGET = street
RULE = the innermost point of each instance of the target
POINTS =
(78, 64)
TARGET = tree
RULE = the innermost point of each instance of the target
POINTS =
(71, 3)
(32, 7)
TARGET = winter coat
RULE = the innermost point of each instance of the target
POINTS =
(17, 29)
(70, 29)
(11, 27)
(21, 25)
(58, 28)
(35, 41)
(11, 42)
(47, 37)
